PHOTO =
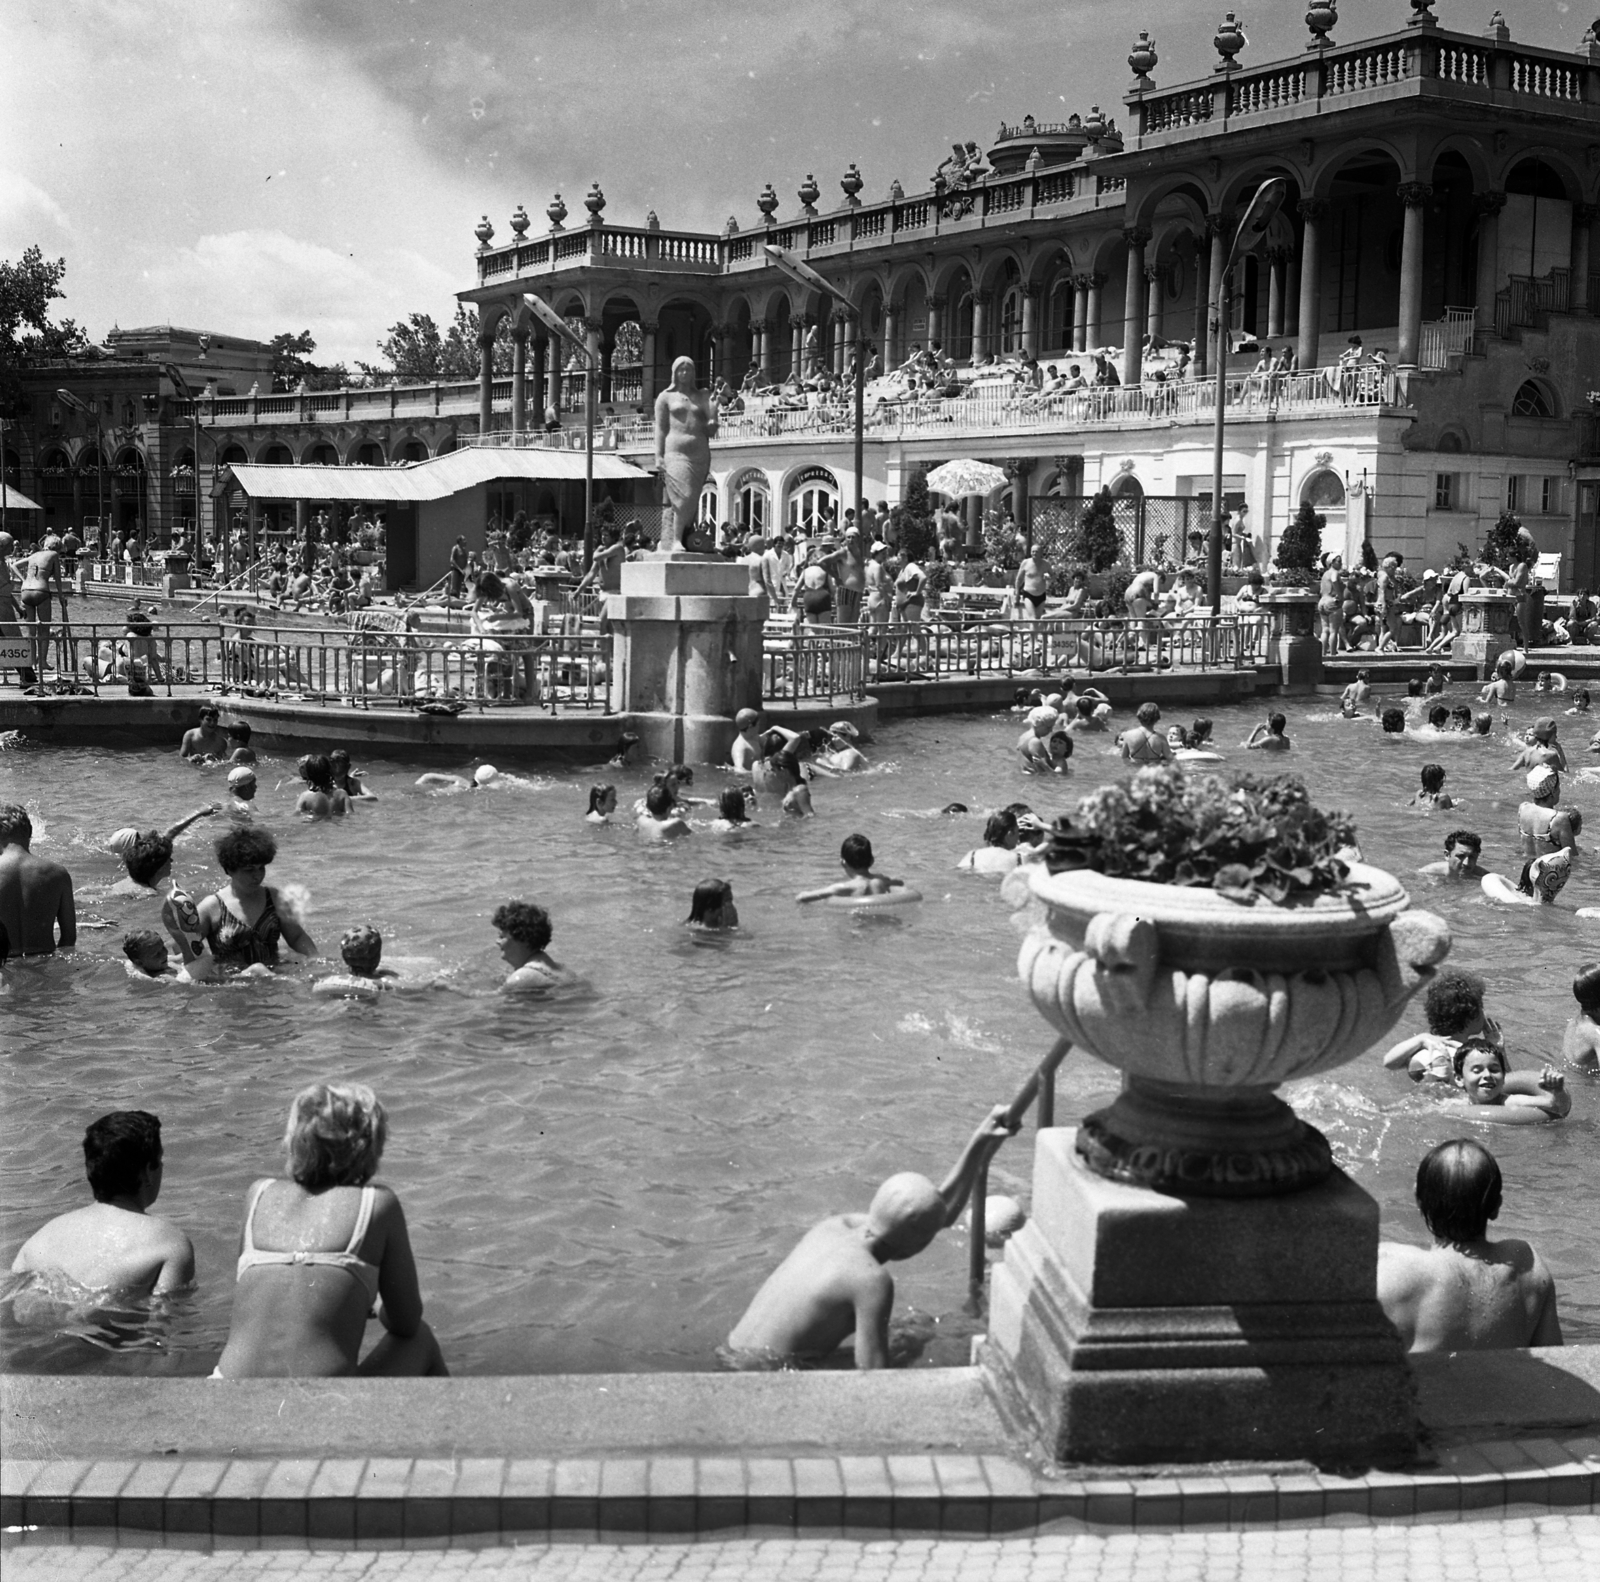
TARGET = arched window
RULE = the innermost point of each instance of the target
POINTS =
(1323, 490)
(710, 499)
(752, 502)
(814, 500)
(1011, 320)
(1532, 400)
(1127, 487)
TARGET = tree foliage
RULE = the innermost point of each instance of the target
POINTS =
(1503, 547)
(28, 337)
(914, 518)
(1095, 542)
(292, 365)
(1300, 545)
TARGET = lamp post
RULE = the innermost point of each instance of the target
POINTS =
(1252, 231)
(68, 399)
(559, 326)
(805, 275)
(186, 393)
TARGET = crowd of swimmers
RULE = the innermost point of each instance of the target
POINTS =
(327, 1211)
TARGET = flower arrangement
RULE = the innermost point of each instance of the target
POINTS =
(1249, 839)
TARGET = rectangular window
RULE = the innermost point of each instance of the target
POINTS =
(1550, 496)
(1513, 492)
(1446, 492)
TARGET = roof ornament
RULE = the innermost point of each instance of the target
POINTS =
(1142, 58)
(1322, 19)
(1230, 40)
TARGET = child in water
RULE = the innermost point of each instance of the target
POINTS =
(1580, 701)
(1270, 738)
(712, 907)
(733, 810)
(1580, 1043)
(1510, 1098)
(362, 950)
(855, 857)
(1454, 1008)
(602, 804)
(1393, 721)
(1354, 695)
(1432, 795)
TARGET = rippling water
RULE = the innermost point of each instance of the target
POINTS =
(600, 1181)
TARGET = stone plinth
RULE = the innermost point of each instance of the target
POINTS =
(1131, 1326)
(686, 652)
(1294, 645)
(1485, 628)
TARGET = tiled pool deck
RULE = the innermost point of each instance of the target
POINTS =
(674, 1459)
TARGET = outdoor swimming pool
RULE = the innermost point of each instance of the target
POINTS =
(600, 1181)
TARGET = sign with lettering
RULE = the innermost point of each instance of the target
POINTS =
(16, 653)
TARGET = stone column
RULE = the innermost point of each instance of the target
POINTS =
(1275, 294)
(839, 344)
(1291, 295)
(1030, 320)
(552, 395)
(485, 382)
(1136, 237)
(1152, 300)
(1201, 360)
(603, 379)
(1079, 339)
(798, 342)
(1020, 469)
(1413, 194)
(980, 326)
(891, 334)
(1312, 213)
(1488, 205)
(725, 341)
(936, 306)
(647, 371)
(541, 373)
(761, 344)
(519, 375)
(1485, 629)
(1094, 315)
(1583, 218)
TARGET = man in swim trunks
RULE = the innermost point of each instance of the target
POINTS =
(834, 1284)
(43, 568)
(36, 903)
(207, 739)
(1465, 1292)
(1030, 587)
(848, 567)
(112, 1243)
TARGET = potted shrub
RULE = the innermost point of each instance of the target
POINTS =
(1210, 938)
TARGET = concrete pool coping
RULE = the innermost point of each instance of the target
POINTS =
(623, 1457)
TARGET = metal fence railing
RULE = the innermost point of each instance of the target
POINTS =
(821, 662)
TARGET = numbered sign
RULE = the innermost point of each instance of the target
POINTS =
(16, 653)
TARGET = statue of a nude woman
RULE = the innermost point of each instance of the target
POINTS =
(685, 427)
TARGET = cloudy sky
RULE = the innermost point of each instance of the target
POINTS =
(262, 165)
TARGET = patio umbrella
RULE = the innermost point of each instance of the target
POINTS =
(957, 478)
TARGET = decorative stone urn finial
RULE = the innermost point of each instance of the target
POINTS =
(557, 211)
(732, 227)
(896, 191)
(852, 183)
(651, 223)
(1497, 31)
(484, 231)
(767, 203)
(595, 202)
(1230, 40)
(1322, 19)
(520, 222)
(1422, 14)
(808, 194)
(1589, 44)
(1143, 59)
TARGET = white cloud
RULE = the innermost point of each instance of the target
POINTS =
(258, 282)
(28, 214)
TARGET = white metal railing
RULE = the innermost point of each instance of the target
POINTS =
(1455, 332)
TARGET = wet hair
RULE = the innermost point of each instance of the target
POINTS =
(1464, 837)
(1393, 720)
(1432, 777)
(1454, 1001)
(731, 806)
(1200, 731)
(1277, 723)
(335, 1135)
(526, 923)
(626, 742)
(245, 848)
(15, 825)
(117, 1151)
(362, 949)
(597, 794)
(1461, 717)
(1148, 714)
(1439, 716)
(999, 826)
(240, 732)
(316, 771)
(139, 947)
(710, 896)
(658, 800)
(339, 756)
(1483, 723)
(148, 855)
(1581, 695)
(1458, 1190)
(1586, 988)
(855, 851)
(489, 583)
(1085, 708)
(1413, 688)
(209, 711)
(680, 774)
(1363, 675)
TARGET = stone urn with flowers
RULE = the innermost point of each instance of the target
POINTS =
(1198, 1278)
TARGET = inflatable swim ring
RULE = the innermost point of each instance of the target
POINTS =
(1196, 755)
(899, 897)
(1499, 888)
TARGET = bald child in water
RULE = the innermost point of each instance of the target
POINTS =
(835, 1282)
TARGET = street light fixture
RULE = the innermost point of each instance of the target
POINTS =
(803, 274)
(1251, 233)
(68, 399)
(553, 321)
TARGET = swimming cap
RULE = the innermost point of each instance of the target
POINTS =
(907, 1211)
(844, 728)
(484, 774)
(1544, 727)
(1550, 873)
(878, 546)
(1542, 779)
(1043, 715)
(243, 775)
(121, 841)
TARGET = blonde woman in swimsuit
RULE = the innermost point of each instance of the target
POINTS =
(320, 1248)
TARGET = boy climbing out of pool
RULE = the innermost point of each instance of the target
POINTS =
(1465, 1292)
(1462, 848)
(112, 1244)
(834, 1282)
(855, 857)
(1580, 1043)
(1454, 1008)
(1510, 1098)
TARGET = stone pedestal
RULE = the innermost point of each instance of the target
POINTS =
(1485, 628)
(686, 652)
(1130, 1326)
(1294, 645)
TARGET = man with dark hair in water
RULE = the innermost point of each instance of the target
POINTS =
(112, 1243)
(1465, 1292)
(36, 902)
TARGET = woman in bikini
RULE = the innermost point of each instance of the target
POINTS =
(321, 1248)
(243, 921)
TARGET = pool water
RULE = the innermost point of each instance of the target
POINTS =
(600, 1180)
